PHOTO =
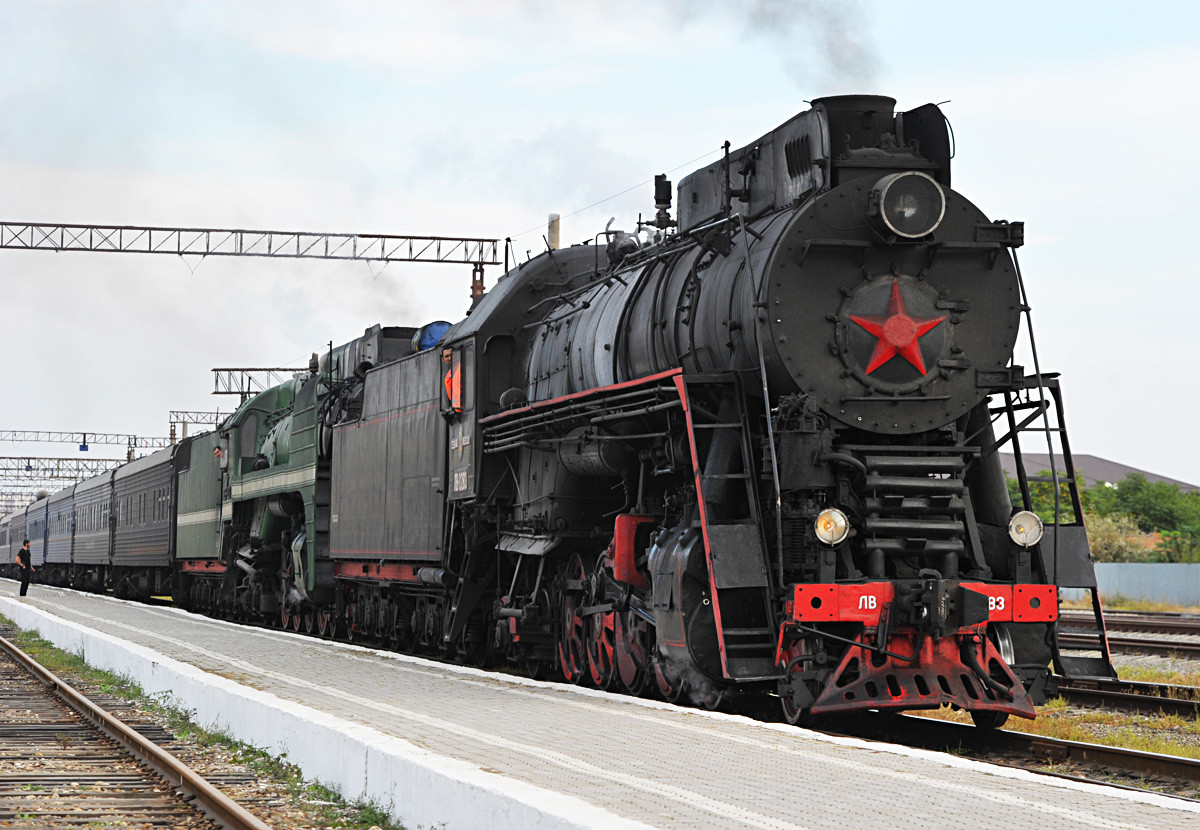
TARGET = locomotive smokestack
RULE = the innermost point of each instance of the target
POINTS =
(552, 232)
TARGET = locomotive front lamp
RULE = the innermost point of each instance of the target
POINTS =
(1025, 528)
(909, 204)
(832, 526)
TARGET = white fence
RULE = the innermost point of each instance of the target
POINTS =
(1177, 584)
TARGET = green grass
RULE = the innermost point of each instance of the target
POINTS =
(324, 805)
(1160, 674)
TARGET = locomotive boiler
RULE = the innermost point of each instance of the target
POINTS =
(745, 451)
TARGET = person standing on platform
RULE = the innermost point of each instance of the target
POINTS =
(26, 563)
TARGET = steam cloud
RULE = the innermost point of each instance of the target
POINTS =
(824, 42)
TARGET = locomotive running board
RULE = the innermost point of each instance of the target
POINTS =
(739, 581)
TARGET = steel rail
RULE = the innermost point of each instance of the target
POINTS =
(940, 735)
(1134, 645)
(1143, 623)
(1132, 696)
(207, 798)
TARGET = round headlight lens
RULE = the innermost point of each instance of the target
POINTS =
(1025, 529)
(910, 204)
(832, 526)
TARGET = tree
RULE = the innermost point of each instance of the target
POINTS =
(1157, 505)
(1041, 494)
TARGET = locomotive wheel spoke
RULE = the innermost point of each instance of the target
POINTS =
(631, 637)
(670, 684)
(325, 622)
(572, 634)
(601, 639)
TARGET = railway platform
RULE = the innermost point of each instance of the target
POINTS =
(456, 747)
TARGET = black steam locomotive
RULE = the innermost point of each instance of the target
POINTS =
(748, 451)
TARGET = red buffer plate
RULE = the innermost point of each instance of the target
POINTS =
(841, 602)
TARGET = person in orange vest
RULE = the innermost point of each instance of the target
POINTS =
(452, 381)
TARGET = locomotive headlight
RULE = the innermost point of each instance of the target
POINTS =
(1025, 529)
(832, 526)
(909, 204)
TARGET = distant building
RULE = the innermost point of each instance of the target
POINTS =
(1092, 469)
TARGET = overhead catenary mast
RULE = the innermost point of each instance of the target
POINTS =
(202, 242)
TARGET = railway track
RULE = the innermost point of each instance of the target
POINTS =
(1158, 623)
(1131, 696)
(1135, 645)
(1078, 632)
(1098, 762)
(69, 763)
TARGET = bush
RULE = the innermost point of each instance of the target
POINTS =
(1179, 546)
(1114, 539)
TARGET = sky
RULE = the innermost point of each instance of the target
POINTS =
(478, 118)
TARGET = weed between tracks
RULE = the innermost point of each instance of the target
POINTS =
(1160, 734)
(309, 805)
(1120, 603)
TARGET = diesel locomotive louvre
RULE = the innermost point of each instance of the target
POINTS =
(751, 450)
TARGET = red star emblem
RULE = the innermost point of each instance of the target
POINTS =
(897, 333)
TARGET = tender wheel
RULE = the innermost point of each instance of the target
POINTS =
(404, 635)
(988, 719)
(572, 633)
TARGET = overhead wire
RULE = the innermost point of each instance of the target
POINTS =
(621, 193)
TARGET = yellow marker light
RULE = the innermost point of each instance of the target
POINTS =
(832, 527)
(1025, 528)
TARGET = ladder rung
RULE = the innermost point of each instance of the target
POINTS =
(750, 632)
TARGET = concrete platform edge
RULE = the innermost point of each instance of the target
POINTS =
(419, 788)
